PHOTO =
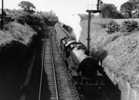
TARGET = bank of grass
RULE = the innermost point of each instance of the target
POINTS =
(98, 34)
(21, 26)
(21, 33)
(121, 48)
(5, 38)
(14, 31)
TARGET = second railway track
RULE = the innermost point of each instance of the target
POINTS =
(59, 82)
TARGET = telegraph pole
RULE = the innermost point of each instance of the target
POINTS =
(2, 14)
(98, 4)
(90, 11)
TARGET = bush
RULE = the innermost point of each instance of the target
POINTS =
(19, 32)
(35, 21)
(129, 26)
(103, 25)
(51, 17)
(113, 27)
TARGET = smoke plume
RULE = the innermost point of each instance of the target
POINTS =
(72, 20)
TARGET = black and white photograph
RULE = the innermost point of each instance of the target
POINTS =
(69, 49)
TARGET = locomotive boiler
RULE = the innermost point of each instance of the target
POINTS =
(80, 65)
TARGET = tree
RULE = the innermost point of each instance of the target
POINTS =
(27, 6)
(127, 8)
(109, 11)
(134, 1)
(135, 13)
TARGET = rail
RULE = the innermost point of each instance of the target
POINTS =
(48, 64)
(54, 71)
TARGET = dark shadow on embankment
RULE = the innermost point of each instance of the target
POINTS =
(12, 60)
(14, 63)
(105, 89)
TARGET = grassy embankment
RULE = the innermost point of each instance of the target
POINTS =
(121, 48)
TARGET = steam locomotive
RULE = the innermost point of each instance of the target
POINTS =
(88, 75)
(82, 67)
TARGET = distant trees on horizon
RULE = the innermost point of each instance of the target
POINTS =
(129, 9)
(27, 6)
(110, 11)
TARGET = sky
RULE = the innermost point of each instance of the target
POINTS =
(60, 5)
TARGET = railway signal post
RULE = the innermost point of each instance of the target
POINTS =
(90, 11)
(2, 13)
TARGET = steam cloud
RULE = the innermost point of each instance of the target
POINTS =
(72, 20)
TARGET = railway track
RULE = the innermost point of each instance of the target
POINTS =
(59, 81)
